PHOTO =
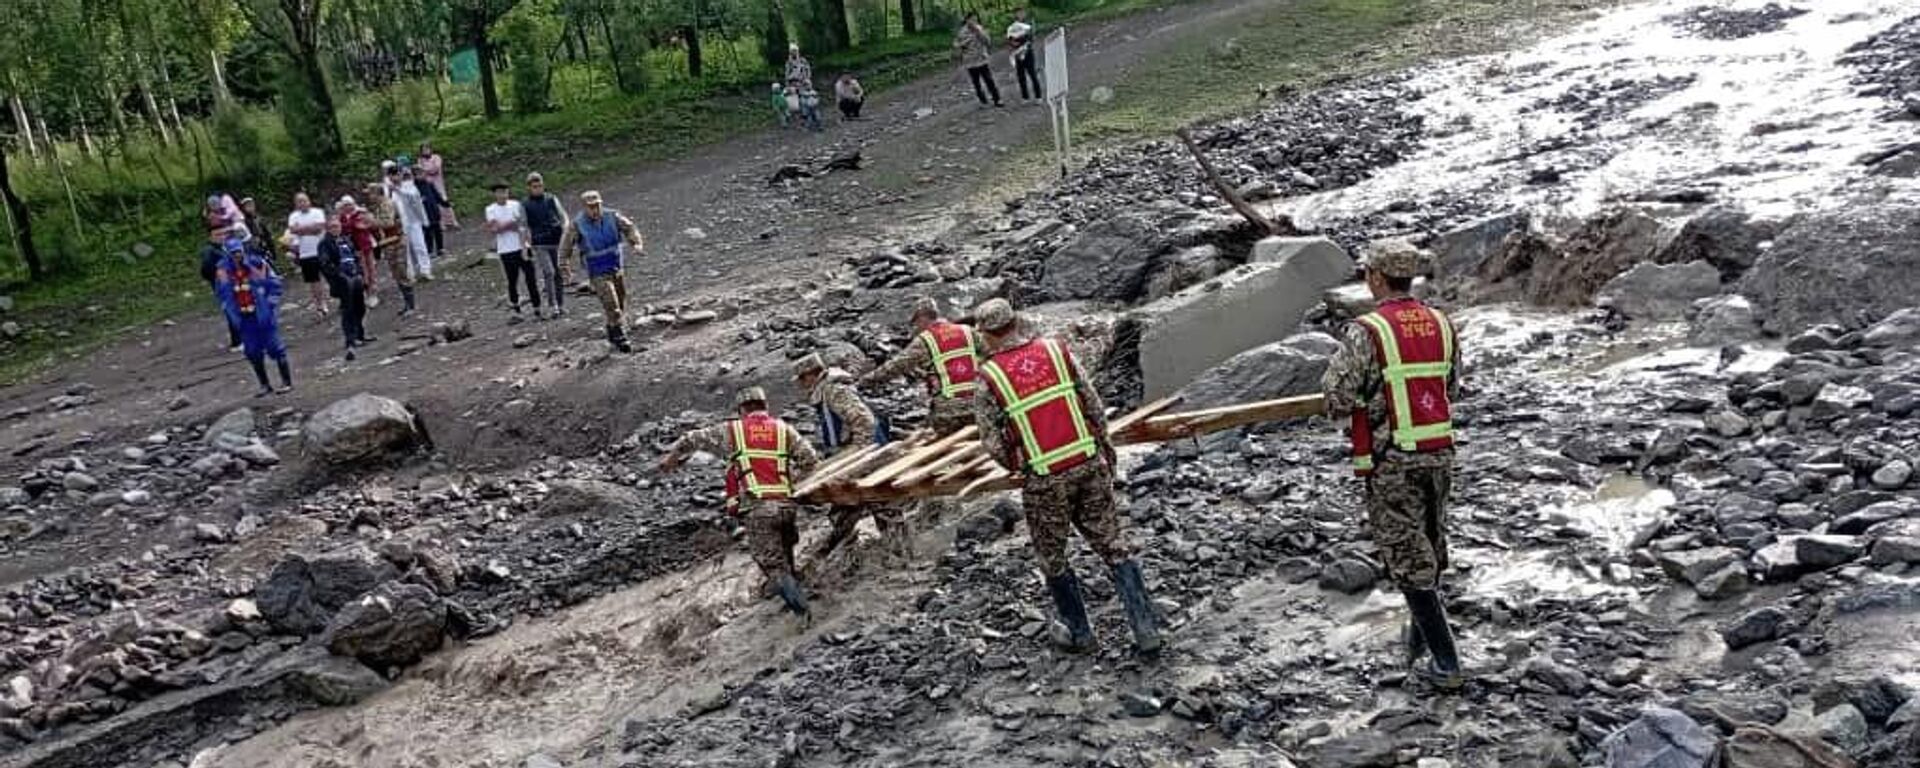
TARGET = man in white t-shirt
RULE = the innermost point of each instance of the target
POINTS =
(1020, 39)
(307, 224)
(507, 220)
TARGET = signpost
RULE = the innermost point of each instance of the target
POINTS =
(1055, 54)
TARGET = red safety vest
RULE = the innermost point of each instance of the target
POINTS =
(1414, 346)
(759, 461)
(955, 356)
(1035, 384)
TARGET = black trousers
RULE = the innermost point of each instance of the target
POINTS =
(519, 268)
(850, 108)
(1023, 71)
(983, 74)
(353, 312)
(436, 239)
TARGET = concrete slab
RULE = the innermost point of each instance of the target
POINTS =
(1275, 250)
(1185, 334)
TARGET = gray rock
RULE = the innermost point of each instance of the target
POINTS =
(1842, 726)
(1659, 738)
(1188, 267)
(1660, 291)
(1836, 400)
(592, 498)
(1819, 338)
(1820, 552)
(1801, 388)
(1292, 366)
(1858, 522)
(1108, 260)
(1893, 475)
(541, 761)
(210, 533)
(1757, 626)
(1907, 713)
(257, 454)
(1889, 550)
(301, 593)
(79, 482)
(1459, 253)
(336, 682)
(211, 465)
(1878, 698)
(1694, 565)
(1139, 704)
(1560, 677)
(525, 340)
(1348, 575)
(1828, 265)
(362, 426)
(1727, 423)
(1900, 329)
(1780, 561)
(1723, 236)
(393, 626)
(1721, 320)
(14, 496)
(1183, 335)
(1724, 583)
(238, 423)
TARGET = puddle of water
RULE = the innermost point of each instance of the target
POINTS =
(1698, 361)
(1785, 78)
(1619, 508)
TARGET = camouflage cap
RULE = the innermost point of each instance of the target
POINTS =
(809, 365)
(749, 395)
(924, 306)
(995, 316)
(1396, 258)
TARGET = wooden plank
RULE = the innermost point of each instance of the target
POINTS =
(869, 459)
(913, 459)
(1126, 422)
(979, 463)
(961, 454)
(1177, 425)
(997, 480)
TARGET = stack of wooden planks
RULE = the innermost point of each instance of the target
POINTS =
(921, 465)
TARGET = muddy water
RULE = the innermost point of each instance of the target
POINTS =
(1629, 104)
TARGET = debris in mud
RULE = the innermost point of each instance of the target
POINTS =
(1718, 23)
(1889, 67)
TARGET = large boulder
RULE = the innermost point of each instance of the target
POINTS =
(1659, 738)
(236, 426)
(1900, 329)
(302, 592)
(1459, 253)
(1186, 267)
(1109, 260)
(393, 626)
(1183, 335)
(1600, 249)
(1723, 236)
(1833, 265)
(1722, 320)
(362, 426)
(1291, 366)
(1660, 291)
(1754, 746)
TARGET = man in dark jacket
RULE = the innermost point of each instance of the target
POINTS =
(547, 222)
(346, 280)
(436, 205)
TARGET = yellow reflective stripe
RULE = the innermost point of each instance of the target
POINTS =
(1363, 462)
(1446, 335)
(1004, 389)
(1396, 373)
(948, 388)
(1083, 444)
(744, 457)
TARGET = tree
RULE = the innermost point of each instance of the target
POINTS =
(471, 19)
(531, 34)
(22, 223)
(312, 121)
(773, 36)
(908, 23)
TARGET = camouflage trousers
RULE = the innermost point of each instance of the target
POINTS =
(946, 415)
(1079, 498)
(771, 533)
(889, 518)
(1406, 508)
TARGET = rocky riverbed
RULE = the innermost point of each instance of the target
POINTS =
(1685, 519)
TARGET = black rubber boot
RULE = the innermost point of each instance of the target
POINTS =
(1416, 643)
(1073, 612)
(795, 597)
(260, 372)
(618, 338)
(1133, 597)
(1430, 622)
(406, 300)
(286, 373)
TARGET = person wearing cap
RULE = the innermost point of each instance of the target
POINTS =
(388, 234)
(405, 194)
(846, 420)
(340, 264)
(508, 223)
(603, 237)
(764, 457)
(1395, 379)
(250, 294)
(1040, 418)
(547, 225)
(946, 355)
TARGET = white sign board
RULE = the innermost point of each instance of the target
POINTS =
(1055, 56)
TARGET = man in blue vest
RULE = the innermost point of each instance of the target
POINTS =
(603, 237)
(547, 221)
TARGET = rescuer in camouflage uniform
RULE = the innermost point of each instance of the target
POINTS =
(946, 411)
(847, 422)
(1075, 492)
(1406, 490)
(770, 521)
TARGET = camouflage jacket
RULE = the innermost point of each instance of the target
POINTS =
(1353, 383)
(991, 414)
(718, 440)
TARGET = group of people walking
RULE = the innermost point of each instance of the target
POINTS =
(1040, 417)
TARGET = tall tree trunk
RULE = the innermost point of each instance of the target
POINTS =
(327, 132)
(25, 125)
(613, 54)
(20, 217)
(219, 73)
(173, 105)
(833, 13)
(483, 50)
(908, 23)
(773, 45)
(691, 34)
(586, 45)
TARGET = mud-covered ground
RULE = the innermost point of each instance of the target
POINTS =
(1697, 494)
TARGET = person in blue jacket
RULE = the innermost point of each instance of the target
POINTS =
(211, 252)
(250, 293)
(346, 280)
